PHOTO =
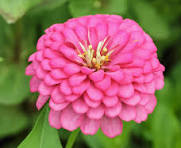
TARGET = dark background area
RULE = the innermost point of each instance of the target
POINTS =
(22, 22)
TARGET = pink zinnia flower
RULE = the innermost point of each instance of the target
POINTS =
(96, 71)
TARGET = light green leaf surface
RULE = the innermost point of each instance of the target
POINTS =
(42, 135)
(11, 10)
(12, 120)
(13, 84)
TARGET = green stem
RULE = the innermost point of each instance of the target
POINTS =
(72, 138)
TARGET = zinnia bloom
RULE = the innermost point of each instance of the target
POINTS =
(96, 71)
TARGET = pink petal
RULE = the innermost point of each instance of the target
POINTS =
(145, 98)
(51, 81)
(29, 70)
(151, 105)
(34, 84)
(70, 36)
(86, 70)
(126, 91)
(159, 83)
(116, 75)
(69, 53)
(145, 88)
(58, 74)
(148, 77)
(77, 79)
(97, 76)
(40, 43)
(122, 58)
(58, 62)
(71, 69)
(44, 89)
(94, 93)
(120, 38)
(79, 106)
(57, 96)
(54, 119)
(92, 37)
(81, 32)
(141, 114)
(90, 126)
(71, 120)
(65, 88)
(39, 56)
(104, 84)
(96, 113)
(133, 100)
(90, 102)
(110, 101)
(114, 110)
(101, 30)
(31, 57)
(111, 127)
(113, 27)
(72, 98)
(113, 89)
(57, 107)
(41, 101)
(40, 72)
(46, 65)
(127, 113)
(147, 67)
(81, 88)
(51, 54)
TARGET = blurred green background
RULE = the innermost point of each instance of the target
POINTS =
(22, 22)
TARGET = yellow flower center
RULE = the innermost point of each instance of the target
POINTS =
(95, 58)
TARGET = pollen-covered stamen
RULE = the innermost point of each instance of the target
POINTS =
(95, 58)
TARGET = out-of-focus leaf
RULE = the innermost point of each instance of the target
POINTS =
(48, 5)
(14, 85)
(176, 81)
(42, 135)
(48, 17)
(165, 128)
(150, 19)
(87, 7)
(11, 10)
(101, 141)
(58, 15)
(165, 96)
(12, 120)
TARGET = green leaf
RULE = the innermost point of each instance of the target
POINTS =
(12, 10)
(12, 120)
(99, 140)
(14, 85)
(165, 127)
(72, 138)
(150, 19)
(88, 7)
(42, 135)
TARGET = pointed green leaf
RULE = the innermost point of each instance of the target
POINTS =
(42, 135)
